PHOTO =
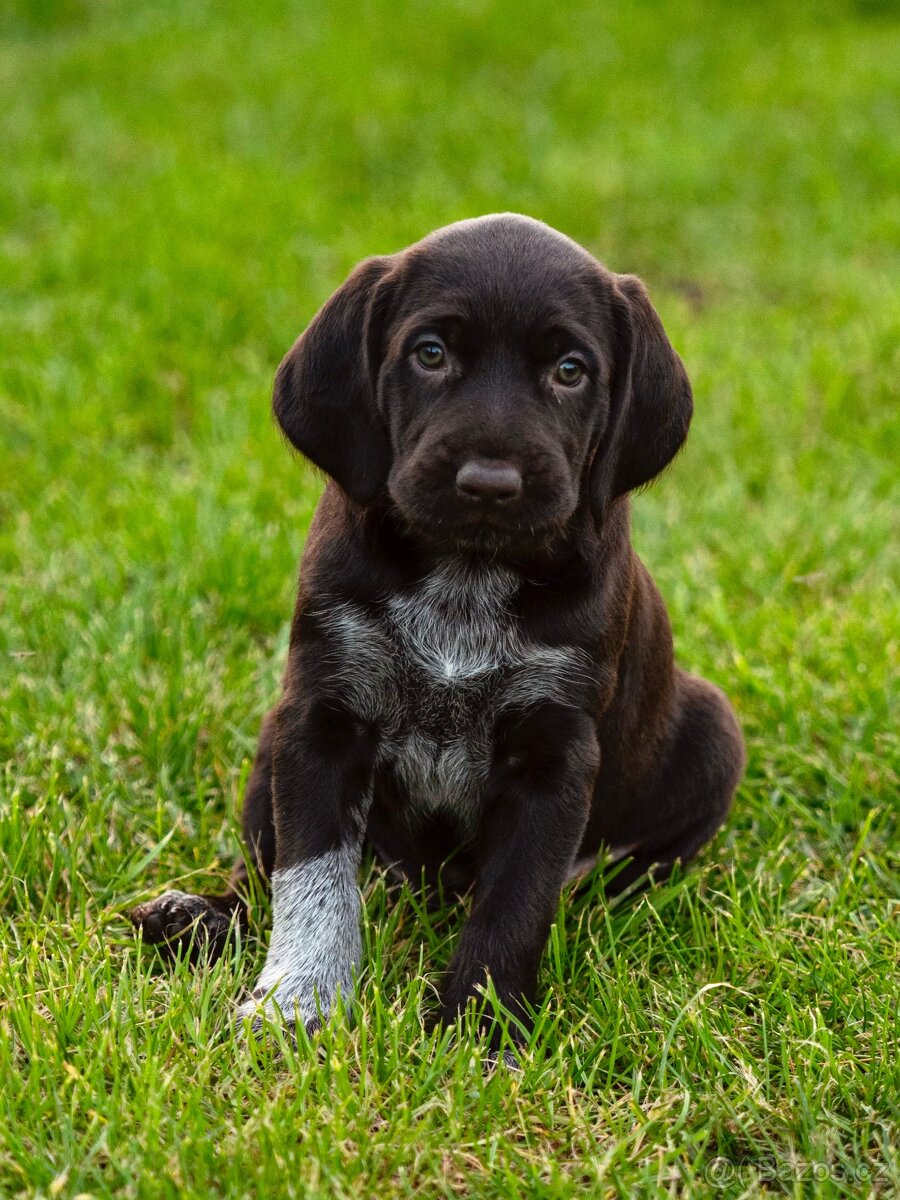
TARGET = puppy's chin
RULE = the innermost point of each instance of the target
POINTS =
(489, 536)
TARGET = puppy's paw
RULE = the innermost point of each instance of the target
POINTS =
(179, 921)
(288, 1004)
(506, 1059)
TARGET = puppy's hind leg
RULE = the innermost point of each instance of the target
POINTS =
(691, 793)
(199, 927)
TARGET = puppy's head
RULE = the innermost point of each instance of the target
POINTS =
(489, 380)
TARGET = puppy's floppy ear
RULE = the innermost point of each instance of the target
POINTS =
(324, 395)
(651, 400)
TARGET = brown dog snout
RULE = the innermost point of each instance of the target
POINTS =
(489, 481)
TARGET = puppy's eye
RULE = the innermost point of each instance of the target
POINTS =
(569, 371)
(430, 355)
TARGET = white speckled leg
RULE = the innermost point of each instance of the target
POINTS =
(316, 943)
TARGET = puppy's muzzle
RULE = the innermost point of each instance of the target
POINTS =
(489, 481)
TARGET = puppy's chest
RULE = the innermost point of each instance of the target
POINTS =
(435, 669)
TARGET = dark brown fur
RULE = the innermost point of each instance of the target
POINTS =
(634, 753)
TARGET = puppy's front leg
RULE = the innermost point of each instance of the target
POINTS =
(535, 814)
(322, 782)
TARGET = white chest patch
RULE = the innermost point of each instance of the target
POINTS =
(435, 670)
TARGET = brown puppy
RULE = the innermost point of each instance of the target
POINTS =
(480, 676)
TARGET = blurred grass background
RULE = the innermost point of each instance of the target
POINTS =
(182, 185)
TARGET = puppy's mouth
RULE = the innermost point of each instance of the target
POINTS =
(481, 503)
(484, 532)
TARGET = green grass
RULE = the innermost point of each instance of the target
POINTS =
(182, 184)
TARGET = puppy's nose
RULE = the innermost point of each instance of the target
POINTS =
(489, 479)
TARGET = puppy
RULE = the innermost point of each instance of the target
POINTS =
(480, 682)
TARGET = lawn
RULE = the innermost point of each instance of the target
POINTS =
(182, 184)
